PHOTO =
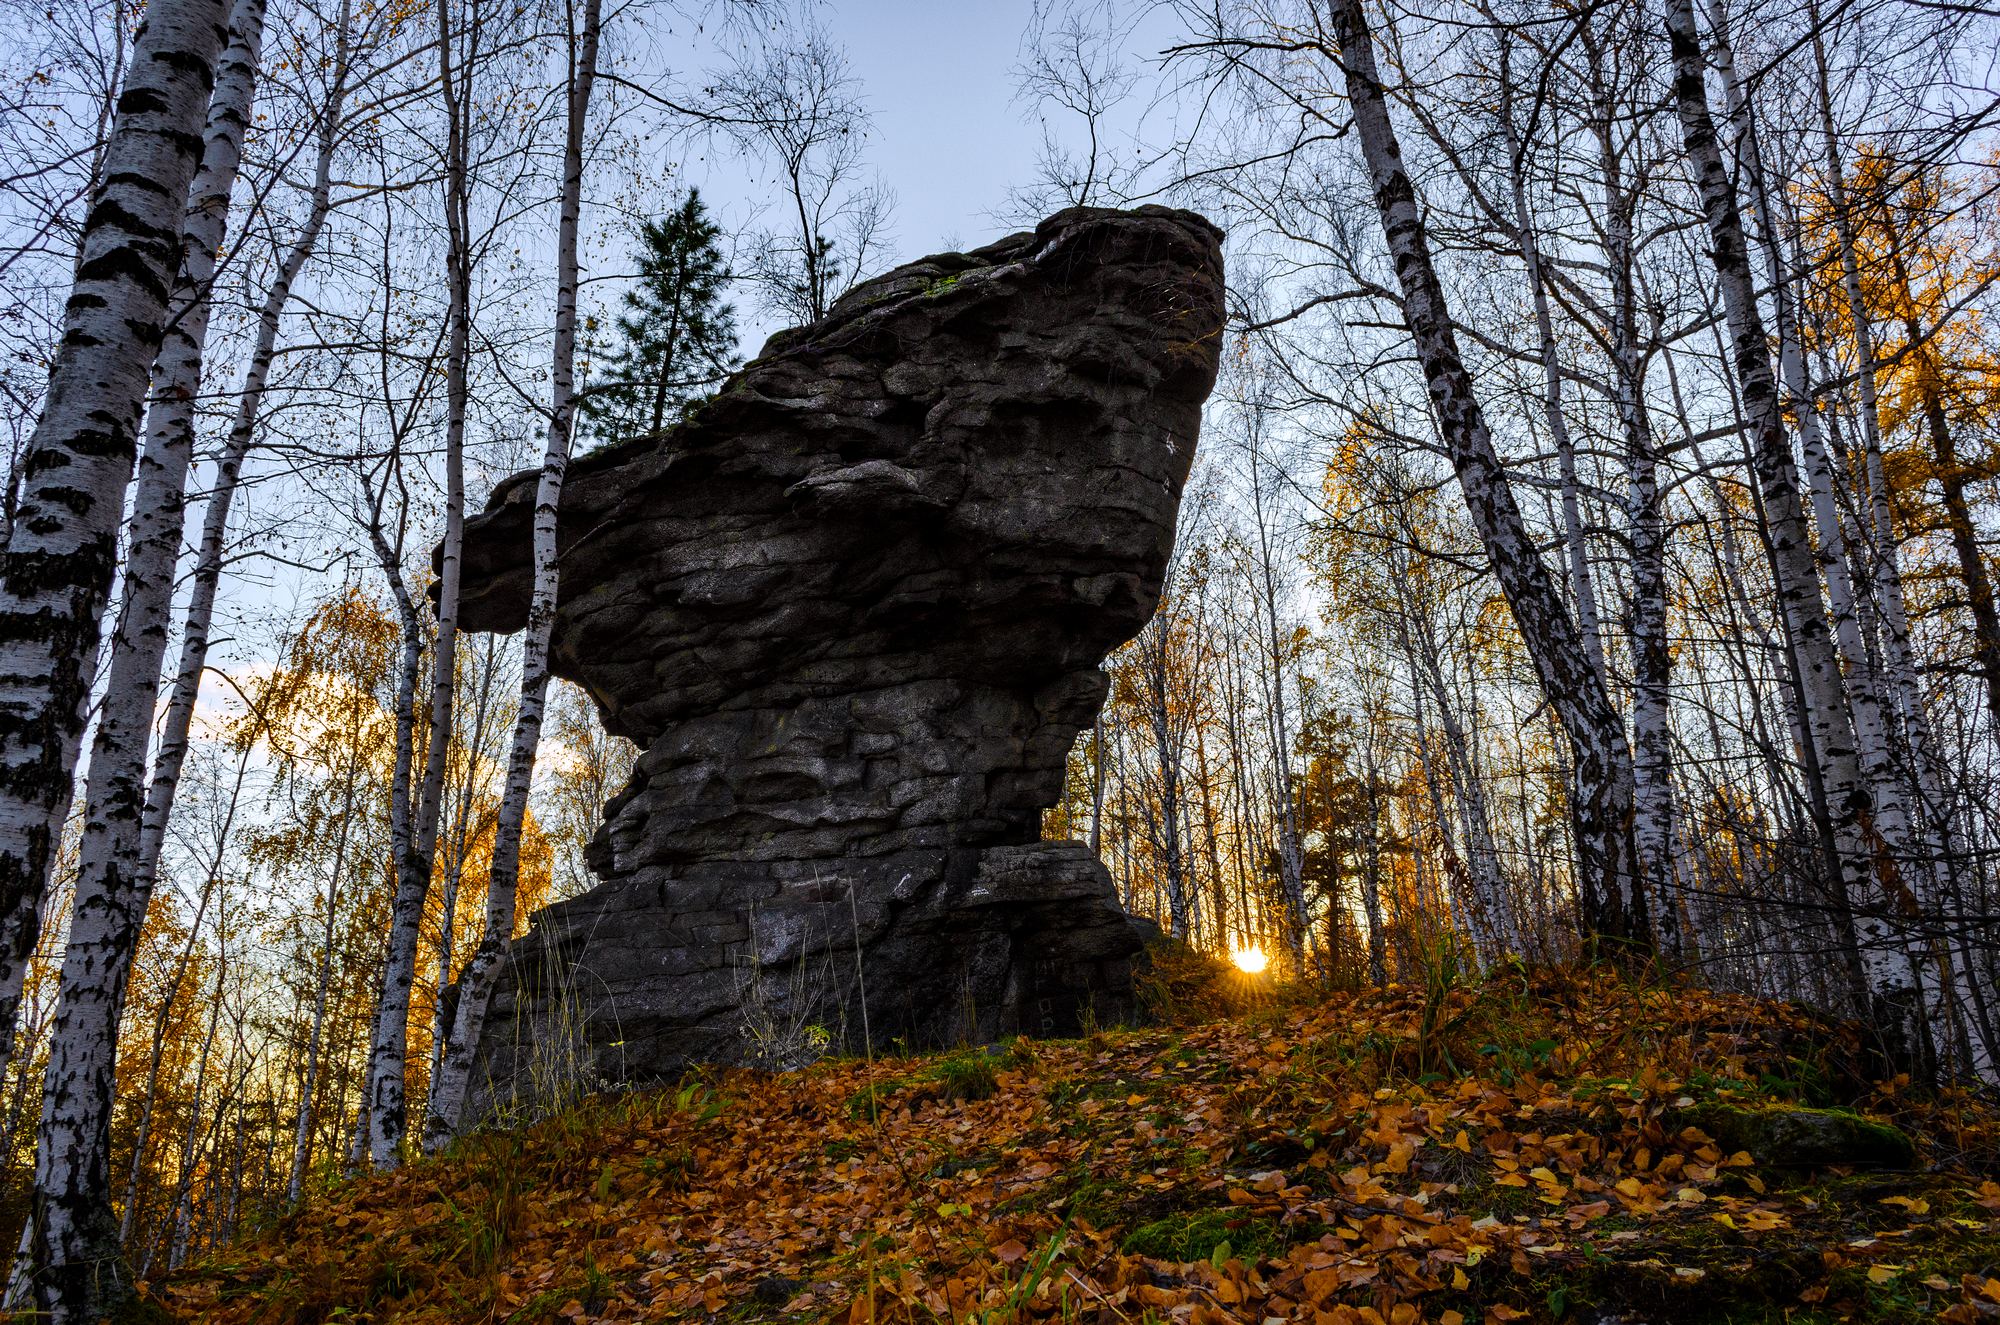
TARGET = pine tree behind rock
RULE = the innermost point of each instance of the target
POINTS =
(678, 337)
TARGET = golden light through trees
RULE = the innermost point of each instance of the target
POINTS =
(1250, 961)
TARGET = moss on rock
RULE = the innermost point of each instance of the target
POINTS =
(1788, 1136)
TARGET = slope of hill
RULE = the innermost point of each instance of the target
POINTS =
(1524, 1148)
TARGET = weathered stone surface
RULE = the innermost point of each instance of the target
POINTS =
(853, 612)
(1784, 1136)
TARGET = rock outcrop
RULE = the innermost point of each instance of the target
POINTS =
(852, 610)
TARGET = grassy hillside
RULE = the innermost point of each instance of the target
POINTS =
(1527, 1148)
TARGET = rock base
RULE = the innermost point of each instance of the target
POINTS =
(634, 983)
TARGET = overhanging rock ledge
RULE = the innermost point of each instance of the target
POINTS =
(852, 611)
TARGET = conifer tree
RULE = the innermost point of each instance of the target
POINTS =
(678, 336)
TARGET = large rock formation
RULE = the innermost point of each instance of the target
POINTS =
(852, 610)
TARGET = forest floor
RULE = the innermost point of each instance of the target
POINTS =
(1526, 1147)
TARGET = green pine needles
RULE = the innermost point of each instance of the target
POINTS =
(677, 337)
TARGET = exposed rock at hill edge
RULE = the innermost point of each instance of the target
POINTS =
(852, 611)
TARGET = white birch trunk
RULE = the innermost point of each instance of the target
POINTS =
(1904, 861)
(384, 1104)
(1652, 658)
(446, 1116)
(1903, 680)
(401, 773)
(79, 1271)
(1887, 969)
(462, 833)
(21, 922)
(1608, 876)
(62, 545)
(197, 621)
(1653, 803)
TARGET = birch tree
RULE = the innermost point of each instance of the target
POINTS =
(78, 1272)
(1892, 983)
(446, 1114)
(62, 542)
(384, 1106)
(1609, 873)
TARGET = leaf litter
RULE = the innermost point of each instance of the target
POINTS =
(1517, 1149)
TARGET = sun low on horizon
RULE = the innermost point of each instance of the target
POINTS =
(1249, 959)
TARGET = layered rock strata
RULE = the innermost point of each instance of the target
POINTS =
(852, 611)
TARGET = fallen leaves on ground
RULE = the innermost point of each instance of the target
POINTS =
(1481, 1155)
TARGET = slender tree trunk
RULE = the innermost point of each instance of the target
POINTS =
(207, 574)
(302, 1125)
(1097, 784)
(671, 342)
(463, 833)
(1493, 920)
(476, 986)
(1211, 834)
(1652, 657)
(1893, 991)
(1291, 851)
(1654, 818)
(1249, 827)
(181, 1214)
(385, 1102)
(401, 773)
(1434, 789)
(1167, 832)
(80, 1274)
(1371, 891)
(1609, 877)
(62, 545)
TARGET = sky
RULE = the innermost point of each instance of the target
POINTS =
(950, 137)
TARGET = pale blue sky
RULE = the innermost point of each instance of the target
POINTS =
(949, 136)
